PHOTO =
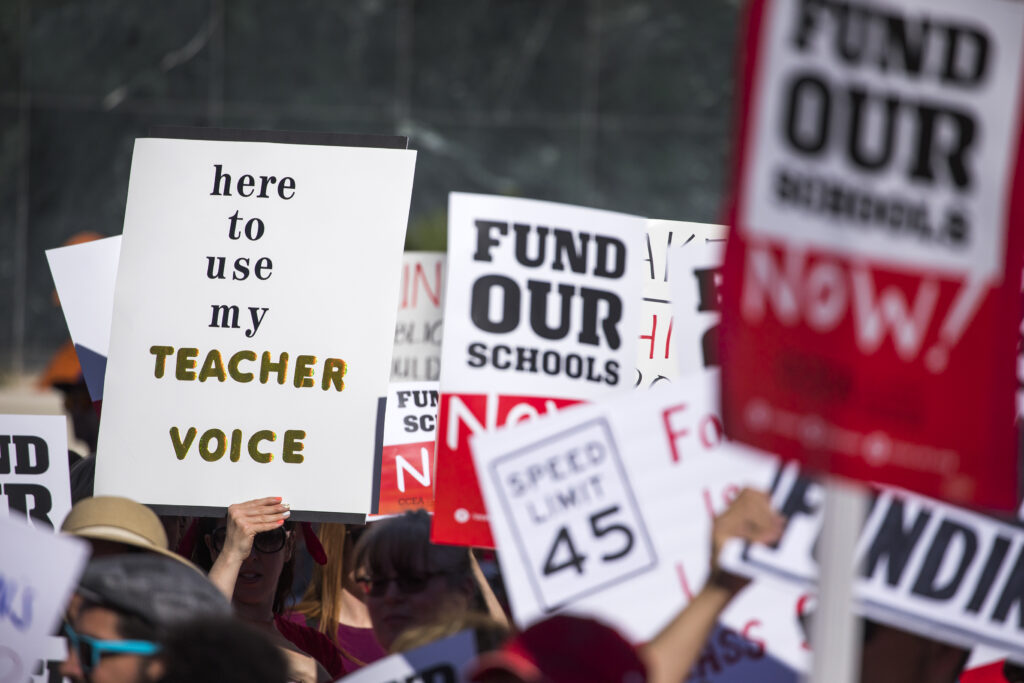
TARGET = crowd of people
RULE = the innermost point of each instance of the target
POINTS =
(219, 605)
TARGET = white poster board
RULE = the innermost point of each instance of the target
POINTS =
(696, 299)
(540, 312)
(927, 567)
(667, 347)
(443, 661)
(38, 573)
(253, 323)
(420, 324)
(34, 479)
(605, 510)
(84, 276)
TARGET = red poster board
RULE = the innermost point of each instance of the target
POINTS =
(872, 275)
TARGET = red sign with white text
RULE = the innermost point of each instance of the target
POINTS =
(460, 416)
(872, 277)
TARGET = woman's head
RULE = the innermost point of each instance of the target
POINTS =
(265, 577)
(409, 581)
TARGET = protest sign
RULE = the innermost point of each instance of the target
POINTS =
(84, 275)
(923, 566)
(700, 246)
(34, 479)
(407, 461)
(605, 509)
(541, 313)
(36, 583)
(442, 661)
(253, 323)
(871, 265)
(420, 324)
(697, 299)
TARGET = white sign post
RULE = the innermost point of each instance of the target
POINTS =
(253, 322)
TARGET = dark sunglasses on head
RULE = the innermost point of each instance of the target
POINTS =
(378, 585)
(266, 542)
(90, 650)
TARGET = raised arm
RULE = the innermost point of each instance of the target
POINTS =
(672, 653)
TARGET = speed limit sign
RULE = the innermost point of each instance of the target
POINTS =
(573, 514)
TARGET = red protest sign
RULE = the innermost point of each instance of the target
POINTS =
(872, 277)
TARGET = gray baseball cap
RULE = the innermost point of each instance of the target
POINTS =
(157, 589)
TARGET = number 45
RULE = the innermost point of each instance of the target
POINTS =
(576, 559)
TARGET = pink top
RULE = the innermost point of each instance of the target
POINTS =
(360, 643)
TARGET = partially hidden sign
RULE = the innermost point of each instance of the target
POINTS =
(420, 324)
(254, 315)
(605, 509)
(38, 572)
(663, 336)
(407, 461)
(872, 276)
(34, 479)
(84, 275)
(443, 661)
(923, 566)
(540, 314)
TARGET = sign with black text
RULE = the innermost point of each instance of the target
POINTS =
(407, 463)
(663, 333)
(34, 479)
(876, 243)
(924, 566)
(605, 510)
(254, 316)
(541, 313)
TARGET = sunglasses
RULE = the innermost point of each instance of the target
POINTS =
(90, 650)
(378, 586)
(266, 542)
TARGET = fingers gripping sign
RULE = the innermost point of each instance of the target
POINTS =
(750, 517)
(252, 517)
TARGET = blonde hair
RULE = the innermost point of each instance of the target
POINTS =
(321, 603)
(490, 634)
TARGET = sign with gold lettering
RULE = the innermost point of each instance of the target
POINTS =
(254, 310)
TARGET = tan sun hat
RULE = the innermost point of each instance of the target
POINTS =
(120, 520)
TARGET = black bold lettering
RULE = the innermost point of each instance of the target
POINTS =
(894, 542)
(480, 304)
(925, 585)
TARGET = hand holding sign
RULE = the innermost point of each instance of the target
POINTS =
(749, 517)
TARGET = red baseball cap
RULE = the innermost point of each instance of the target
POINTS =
(565, 649)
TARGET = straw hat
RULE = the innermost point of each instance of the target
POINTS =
(120, 520)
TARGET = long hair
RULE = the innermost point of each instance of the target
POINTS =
(321, 603)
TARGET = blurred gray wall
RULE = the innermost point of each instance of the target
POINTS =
(617, 104)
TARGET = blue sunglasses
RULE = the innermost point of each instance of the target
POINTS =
(90, 650)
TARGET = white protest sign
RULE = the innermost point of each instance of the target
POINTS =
(84, 276)
(443, 661)
(605, 509)
(253, 323)
(34, 479)
(420, 324)
(664, 335)
(928, 567)
(38, 573)
(540, 313)
(407, 458)
(696, 299)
